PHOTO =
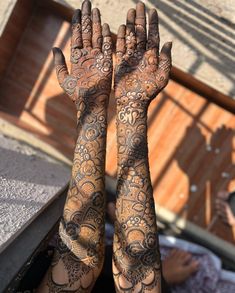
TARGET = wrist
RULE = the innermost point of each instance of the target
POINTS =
(136, 98)
(92, 106)
(132, 112)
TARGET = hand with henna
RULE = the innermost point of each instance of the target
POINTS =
(91, 59)
(79, 253)
(140, 74)
(140, 70)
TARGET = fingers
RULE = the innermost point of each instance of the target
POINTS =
(86, 24)
(96, 29)
(107, 49)
(130, 32)
(121, 45)
(60, 65)
(107, 41)
(76, 40)
(164, 66)
(140, 26)
(193, 267)
(153, 33)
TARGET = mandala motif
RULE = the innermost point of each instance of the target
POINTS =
(76, 54)
(88, 168)
(70, 84)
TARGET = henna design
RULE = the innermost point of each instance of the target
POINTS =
(140, 27)
(62, 73)
(140, 74)
(76, 38)
(69, 85)
(86, 24)
(79, 252)
(96, 29)
(76, 54)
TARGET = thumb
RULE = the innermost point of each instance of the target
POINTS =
(60, 65)
(164, 66)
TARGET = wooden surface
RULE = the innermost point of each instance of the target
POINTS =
(13, 32)
(191, 140)
(191, 152)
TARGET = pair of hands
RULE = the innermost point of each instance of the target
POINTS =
(140, 72)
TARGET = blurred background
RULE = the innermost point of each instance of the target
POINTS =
(191, 123)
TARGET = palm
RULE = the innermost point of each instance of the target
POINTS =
(141, 75)
(90, 76)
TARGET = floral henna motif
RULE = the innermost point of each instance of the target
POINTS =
(140, 74)
(80, 244)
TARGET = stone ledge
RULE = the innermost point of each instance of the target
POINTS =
(29, 180)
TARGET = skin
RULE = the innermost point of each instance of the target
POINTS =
(79, 254)
(178, 267)
(223, 208)
(140, 74)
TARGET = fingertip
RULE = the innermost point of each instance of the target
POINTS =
(131, 11)
(86, 7)
(76, 16)
(140, 5)
(153, 16)
(166, 49)
(95, 15)
(58, 56)
(122, 29)
(167, 46)
(106, 30)
(55, 51)
(131, 16)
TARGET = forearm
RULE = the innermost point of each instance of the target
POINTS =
(79, 253)
(136, 253)
(85, 201)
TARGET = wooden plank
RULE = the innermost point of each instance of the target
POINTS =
(13, 32)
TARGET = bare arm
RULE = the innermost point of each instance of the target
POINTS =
(79, 253)
(140, 74)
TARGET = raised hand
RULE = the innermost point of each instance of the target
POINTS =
(79, 252)
(140, 73)
(91, 58)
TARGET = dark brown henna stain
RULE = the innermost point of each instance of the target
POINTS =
(140, 26)
(86, 24)
(96, 29)
(140, 74)
(80, 243)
